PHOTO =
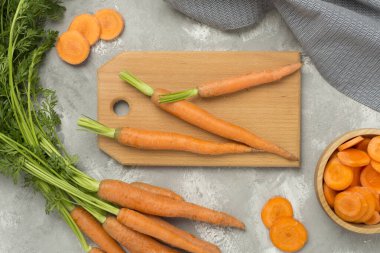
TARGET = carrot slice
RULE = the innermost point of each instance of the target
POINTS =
(288, 234)
(354, 157)
(276, 207)
(375, 219)
(329, 195)
(370, 178)
(350, 143)
(72, 47)
(88, 25)
(348, 205)
(357, 171)
(111, 22)
(338, 176)
(377, 197)
(363, 145)
(374, 148)
(375, 165)
(370, 200)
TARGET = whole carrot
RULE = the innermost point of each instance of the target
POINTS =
(156, 140)
(157, 190)
(125, 195)
(231, 85)
(200, 118)
(96, 250)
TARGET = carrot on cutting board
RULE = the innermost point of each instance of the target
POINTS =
(72, 47)
(374, 148)
(157, 190)
(351, 143)
(200, 118)
(337, 176)
(111, 22)
(350, 206)
(88, 25)
(231, 85)
(157, 140)
(375, 219)
(370, 200)
(288, 234)
(125, 195)
(363, 145)
(329, 195)
(275, 208)
(353, 157)
(370, 178)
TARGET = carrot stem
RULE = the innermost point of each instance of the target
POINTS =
(178, 96)
(137, 83)
(94, 126)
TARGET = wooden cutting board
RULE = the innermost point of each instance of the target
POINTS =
(271, 111)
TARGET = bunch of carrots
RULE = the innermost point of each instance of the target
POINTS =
(74, 45)
(242, 140)
(352, 181)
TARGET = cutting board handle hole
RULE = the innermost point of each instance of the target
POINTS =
(121, 108)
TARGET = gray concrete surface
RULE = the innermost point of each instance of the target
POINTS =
(152, 25)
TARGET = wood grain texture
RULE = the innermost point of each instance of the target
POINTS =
(318, 182)
(272, 111)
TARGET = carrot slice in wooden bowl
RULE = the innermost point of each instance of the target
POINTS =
(363, 145)
(377, 197)
(353, 157)
(72, 47)
(88, 25)
(375, 165)
(370, 200)
(329, 195)
(276, 207)
(288, 234)
(370, 178)
(351, 143)
(111, 22)
(338, 176)
(375, 219)
(374, 148)
(357, 171)
(348, 206)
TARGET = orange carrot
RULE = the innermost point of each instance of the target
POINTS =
(93, 229)
(374, 148)
(363, 145)
(375, 219)
(348, 205)
(356, 179)
(72, 47)
(234, 84)
(338, 176)
(125, 195)
(133, 241)
(288, 234)
(370, 178)
(96, 250)
(377, 197)
(88, 25)
(157, 190)
(375, 165)
(350, 143)
(329, 195)
(354, 157)
(276, 207)
(369, 199)
(111, 22)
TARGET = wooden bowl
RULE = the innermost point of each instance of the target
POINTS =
(357, 228)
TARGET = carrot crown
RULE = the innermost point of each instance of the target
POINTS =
(94, 126)
(177, 96)
(137, 83)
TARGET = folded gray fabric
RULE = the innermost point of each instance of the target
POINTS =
(342, 37)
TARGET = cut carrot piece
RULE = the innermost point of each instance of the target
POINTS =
(356, 180)
(88, 25)
(338, 176)
(354, 157)
(370, 178)
(72, 47)
(329, 195)
(377, 197)
(375, 165)
(375, 219)
(350, 143)
(276, 207)
(288, 234)
(363, 145)
(374, 148)
(111, 22)
(370, 200)
(348, 206)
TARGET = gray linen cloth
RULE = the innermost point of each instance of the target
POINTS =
(342, 37)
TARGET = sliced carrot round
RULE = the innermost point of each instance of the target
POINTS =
(72, 47)
(374, 148)
(370, 178)
(276, 207)
(88, 25)
(369, 199)
(288, 234)
(357, 171)
(348, 206)
(377, 197)
(111, 22)
(354, 157)
(337, 176)
(375, 219)
(329, 195)
(363, 145)
(375, 165)
(350, 143)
